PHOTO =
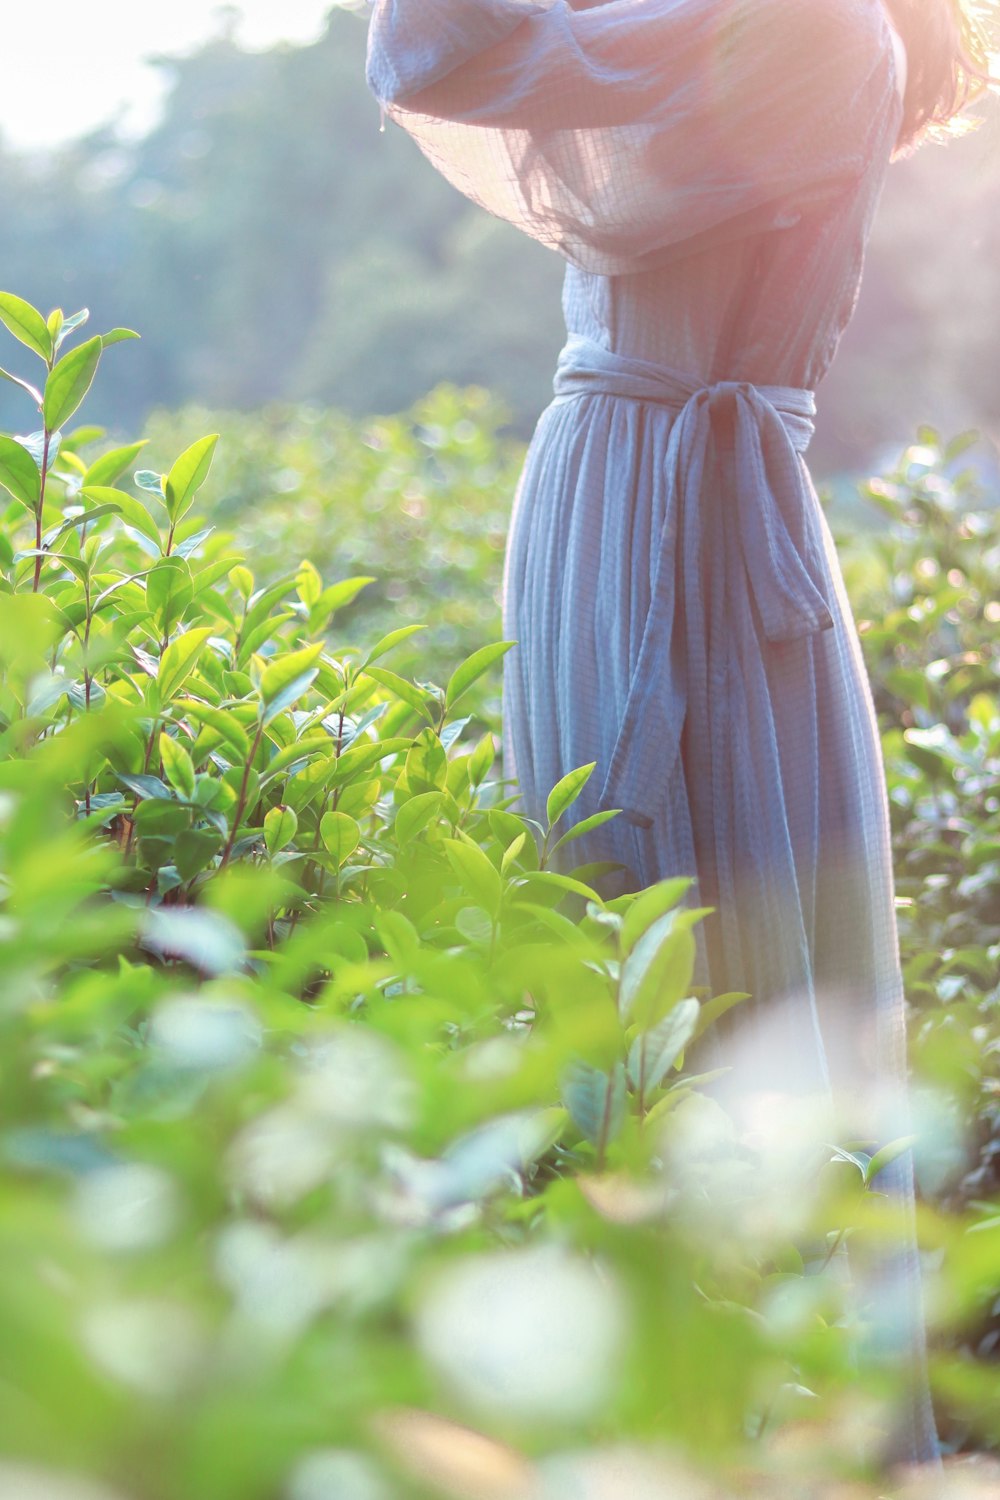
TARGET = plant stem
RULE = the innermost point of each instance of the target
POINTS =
(87, 678)
(38, 512)
(242, 799)
(834, 1248)
(602, 1144)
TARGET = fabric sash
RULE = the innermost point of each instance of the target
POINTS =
(777, 562)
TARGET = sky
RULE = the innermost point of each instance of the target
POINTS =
(68, 65)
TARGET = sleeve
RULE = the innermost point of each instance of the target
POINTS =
(622, 132)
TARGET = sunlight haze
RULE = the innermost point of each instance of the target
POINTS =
(95, 56)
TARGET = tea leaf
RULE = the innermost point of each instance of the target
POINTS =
(566, 791)
(25, 385)
(112, 465)
(179, 661)
(588, 825)
(187, 475)
(473, 668)
(19, 474)
(118, 336)
(654, 1053)
(596, 1101)
(886, 1155)
(68, 383)
(178, 766)
(133, 512)
(284, 681)
(280, 828)
(26, 324)
(410, 695)
(341, 835)
(476, 872)
(643, 910)
(658, 971)
(389, 643)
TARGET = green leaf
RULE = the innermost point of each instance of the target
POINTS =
(26, 323)
(481, 760)
(150, 481)
(178, 662)
(194, 849)
(553, 880)
(658, 971)
(280, 827)
(398, 937)
(653, 1054)
(178, 766)
(512, 850)
(169, 591)
(145, 786)
(68, 383)
(340, 595)
(112, 465)
(415, 815)
(473, 668)
(260, 607)
(566, 791)
(476, 872)
(133, 512)
(714, 1009)
(645, 908)
(241, 579)
(475, 924)
(19, 473)
(888, 1153)
(340, 834)
(857, 1159)
(426, 766)
(226, 725)
(308, 583)
(595, 1100)
(596, 820)
(25, 385)
(118, 336)
(388, 642)
(410, 694)
(84, 518)
(283, 682)
(61, 327)
(187, 476)
(76, 565)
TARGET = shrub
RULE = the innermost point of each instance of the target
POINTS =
(348, 1146)
(427, 494)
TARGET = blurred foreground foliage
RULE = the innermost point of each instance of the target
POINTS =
(350, 1143)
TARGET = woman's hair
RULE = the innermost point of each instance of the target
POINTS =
(951, 60)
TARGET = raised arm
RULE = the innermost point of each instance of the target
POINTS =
(616, 131)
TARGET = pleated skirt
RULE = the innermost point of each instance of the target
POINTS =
(781, 817)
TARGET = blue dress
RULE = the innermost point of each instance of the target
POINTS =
(709, 170)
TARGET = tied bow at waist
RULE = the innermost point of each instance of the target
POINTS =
(767, 548)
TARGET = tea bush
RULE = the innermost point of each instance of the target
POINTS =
(351, 1142)
(930, 589)
(427, 494)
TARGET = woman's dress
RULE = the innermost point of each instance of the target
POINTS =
(709, 169)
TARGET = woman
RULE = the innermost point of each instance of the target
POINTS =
(709, 169)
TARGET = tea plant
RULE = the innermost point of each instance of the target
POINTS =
(347, 1146)
(930, 589)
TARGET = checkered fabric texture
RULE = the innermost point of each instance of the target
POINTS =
(709, 170)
